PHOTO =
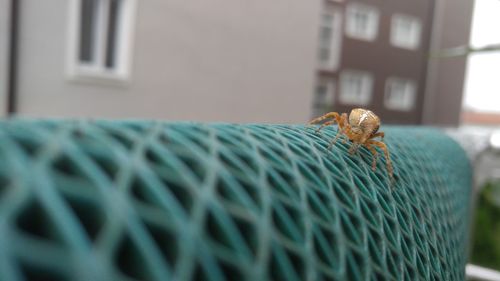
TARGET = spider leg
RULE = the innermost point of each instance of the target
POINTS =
(328, 123)
(379, 134)
(383, 146)
(342, 123)
(375, 155)
(332, 142)
(354, 148)
(333, 115)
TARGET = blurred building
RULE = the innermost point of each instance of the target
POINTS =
(375, 54)
(231, 60)
(218, 60)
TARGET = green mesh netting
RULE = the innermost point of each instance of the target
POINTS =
(153, 201)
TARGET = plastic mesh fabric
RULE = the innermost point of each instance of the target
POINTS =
(154, 201)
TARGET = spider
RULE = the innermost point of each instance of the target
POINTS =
(361, 127)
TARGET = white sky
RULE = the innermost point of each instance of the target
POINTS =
(482, 85)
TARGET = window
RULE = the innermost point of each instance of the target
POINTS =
(323, 93)
(330, 36)
(355, 87)
(323, 96)
(362, 21)
(405, 32)
(400, 94)
(101, 43)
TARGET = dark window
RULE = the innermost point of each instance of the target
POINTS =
(111, 42)
(88, 32)
(100, 27)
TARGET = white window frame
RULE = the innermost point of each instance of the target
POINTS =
(351, 26)
(328, 99)
(333, 46)
(407, 41)
(409, 94)
(96, 71)
(364, 97)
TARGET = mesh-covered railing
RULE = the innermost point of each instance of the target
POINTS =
(156, 201)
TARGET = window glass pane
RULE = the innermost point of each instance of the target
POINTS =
(88, 18)
(321, 92)
(362, 21)
(330, 37)
(111, 40)
(325, 38)
(326, 19)
(405, 32)
(323, 95)
(400, 94)
(356, 87)
(324, 54)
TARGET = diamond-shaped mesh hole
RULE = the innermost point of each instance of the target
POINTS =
(130, 261)
(39, 273)
(231, 272)
(183, 194)
(34, 220)
(381, 277)
(355, 266)
(249, 233)
(154, 157)
(325, 245)
(106, 163)
(319, 204)
(288, 222)
(142, 191)
(313, 174)
(350, 226)
(390, 231)
(166, 241)
(199, 273)
(235, 196)
(65, 165)
(249, 189)
(283, 182)
(286, 265)
(274, 156)
(89, 214)
(123, 139)
(345, 194)
(231, 163)
(248, 161)
(195, 165)
(217, 232)
(5, 182)
(29, 145)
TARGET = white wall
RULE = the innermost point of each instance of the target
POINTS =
(4, 47)
(207, 60)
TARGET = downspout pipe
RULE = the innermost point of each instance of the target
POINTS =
(13, 57)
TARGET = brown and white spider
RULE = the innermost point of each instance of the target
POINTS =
(361, 127)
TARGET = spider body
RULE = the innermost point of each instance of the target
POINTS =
(361, 128)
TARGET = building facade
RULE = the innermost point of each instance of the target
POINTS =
(232, 60)
(217, 60)
(375, 54)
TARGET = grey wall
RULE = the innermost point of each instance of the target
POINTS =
(4, 46)
(210, 60)
(445, 77)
